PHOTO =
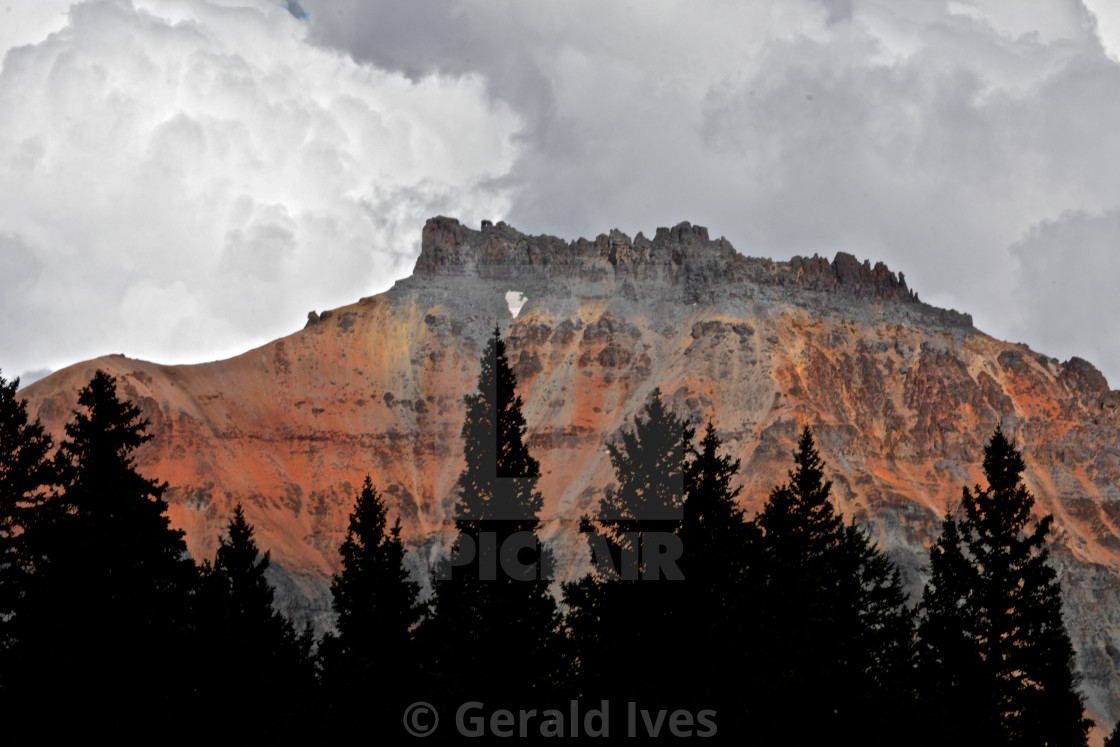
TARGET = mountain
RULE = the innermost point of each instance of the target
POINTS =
(901, 397)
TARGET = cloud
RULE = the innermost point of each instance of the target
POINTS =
(1066, 287)
(930, 135)
(27, 378)
(31, 22)
(1106, 15)
(183, 179)
(245, 160)
(934, 152)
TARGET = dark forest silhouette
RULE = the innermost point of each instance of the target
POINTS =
(787, 628)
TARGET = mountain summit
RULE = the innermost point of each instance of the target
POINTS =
(682, 261)
(901, 397)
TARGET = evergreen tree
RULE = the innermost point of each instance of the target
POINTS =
(253, 656)
(1113, 739)
(714, 532)
(615, 619)
(996, 660)
(112, 585)
(25, 474)
(832, 621)
(650, 465)
(370, 669)
(493, 635)
(713, 611)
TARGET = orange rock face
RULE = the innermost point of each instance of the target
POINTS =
(901, 397)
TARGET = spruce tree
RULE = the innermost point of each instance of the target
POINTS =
(996, 661)
(113, 585)
(713, 615)
(370, 668)
(650, 466)
(493, 634)
(621, 616)
(716, 536)
(25, 474)
(832, 621)
(253, 656)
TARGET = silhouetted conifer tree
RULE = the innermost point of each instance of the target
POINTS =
(833, 655)
(25, 474)
(254, 660)
(108, 603)
(370, 669)
(713, 616)
(716, 538)
(490, 635)
(996, 661)
(623, 627)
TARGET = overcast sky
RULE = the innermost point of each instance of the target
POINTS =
(181, 180)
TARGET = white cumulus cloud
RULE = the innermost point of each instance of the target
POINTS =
(182, 179)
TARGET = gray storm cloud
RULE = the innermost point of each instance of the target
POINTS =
(931, 135)
(298, 147)
(1066, 286)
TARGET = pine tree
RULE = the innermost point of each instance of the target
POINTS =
(254, 657)
(994, 651)
(832, 618)
(717, 542)
(617, 616)
(370, 669)
(490, 633)
(714, 531)
(712, 612)
(799, 521)
(25, 474)
(650, 466)
(113, 584)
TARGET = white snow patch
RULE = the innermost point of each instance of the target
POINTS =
(515, 300)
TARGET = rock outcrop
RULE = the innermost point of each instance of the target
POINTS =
(902, 397)
(682, 257)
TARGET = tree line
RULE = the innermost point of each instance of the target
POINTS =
(790, 627)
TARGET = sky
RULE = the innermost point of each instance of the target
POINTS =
(182, 180)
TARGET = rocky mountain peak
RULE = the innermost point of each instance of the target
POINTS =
(449, 248)
(683, 257)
